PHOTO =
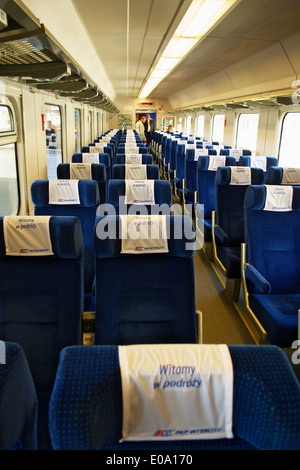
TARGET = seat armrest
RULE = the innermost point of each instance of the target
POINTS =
(220, 234)
(261, 284)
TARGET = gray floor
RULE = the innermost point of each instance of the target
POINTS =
(222, 323)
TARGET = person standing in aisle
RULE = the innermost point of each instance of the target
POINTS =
(149, 128)
(140, 128)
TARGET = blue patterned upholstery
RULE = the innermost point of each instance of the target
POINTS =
(86, 404)
(273, 277)
(144, 298)
(41, 303)
(85, 211)
(18, 401)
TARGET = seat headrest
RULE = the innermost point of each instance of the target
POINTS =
(88, 193)
(255, 197)
(65, 235)
(223, 176)
(108, 242)
(203, 162)
(162, 192)
(91, 157)
(98, 171)
(146, 158)
(280, 175)
(263, 162)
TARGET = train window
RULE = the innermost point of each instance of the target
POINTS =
(200, 126)
(98, 124)
(77, 117)
(218, 128)
(179, 127)
(247, 127)
(6, 119)
(289, 149)
(90, 126)
(168, 121)
(9, 191)
(188, 124)
(53, 139)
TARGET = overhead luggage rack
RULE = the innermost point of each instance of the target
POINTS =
(29, 53)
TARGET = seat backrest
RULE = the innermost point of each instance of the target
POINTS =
(265, 415)
(229, 202)
(205, 180)
(18, 400)
(119, 172)
(41, 296)
(180, 161)
(117, 189)
(280, 175)
(85, 211)
(144, 296)
(98, 173)
(272, 239)
(94, 158)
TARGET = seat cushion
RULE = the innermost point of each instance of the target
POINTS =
(279, 316)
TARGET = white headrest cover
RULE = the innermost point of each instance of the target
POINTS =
(90, 158)
(278, 198)
(135, 172)
(27, 236)
(139, 192)
(240, 175)
(81, 171)
(63, 192)
(176, 391)
(143, 234)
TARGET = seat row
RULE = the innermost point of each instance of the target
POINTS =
(139, 297)
(81, 198)
(254, 243)
(86, 410)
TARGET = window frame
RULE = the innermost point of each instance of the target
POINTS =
(10, 138)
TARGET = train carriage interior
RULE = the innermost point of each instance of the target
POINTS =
(149, 225)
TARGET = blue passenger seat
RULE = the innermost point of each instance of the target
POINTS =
(41, 296)
(271, 268)
(85, 210)
(18, 400)
(86, 411)
(228, 221)
(145, 296)
(206, 169)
